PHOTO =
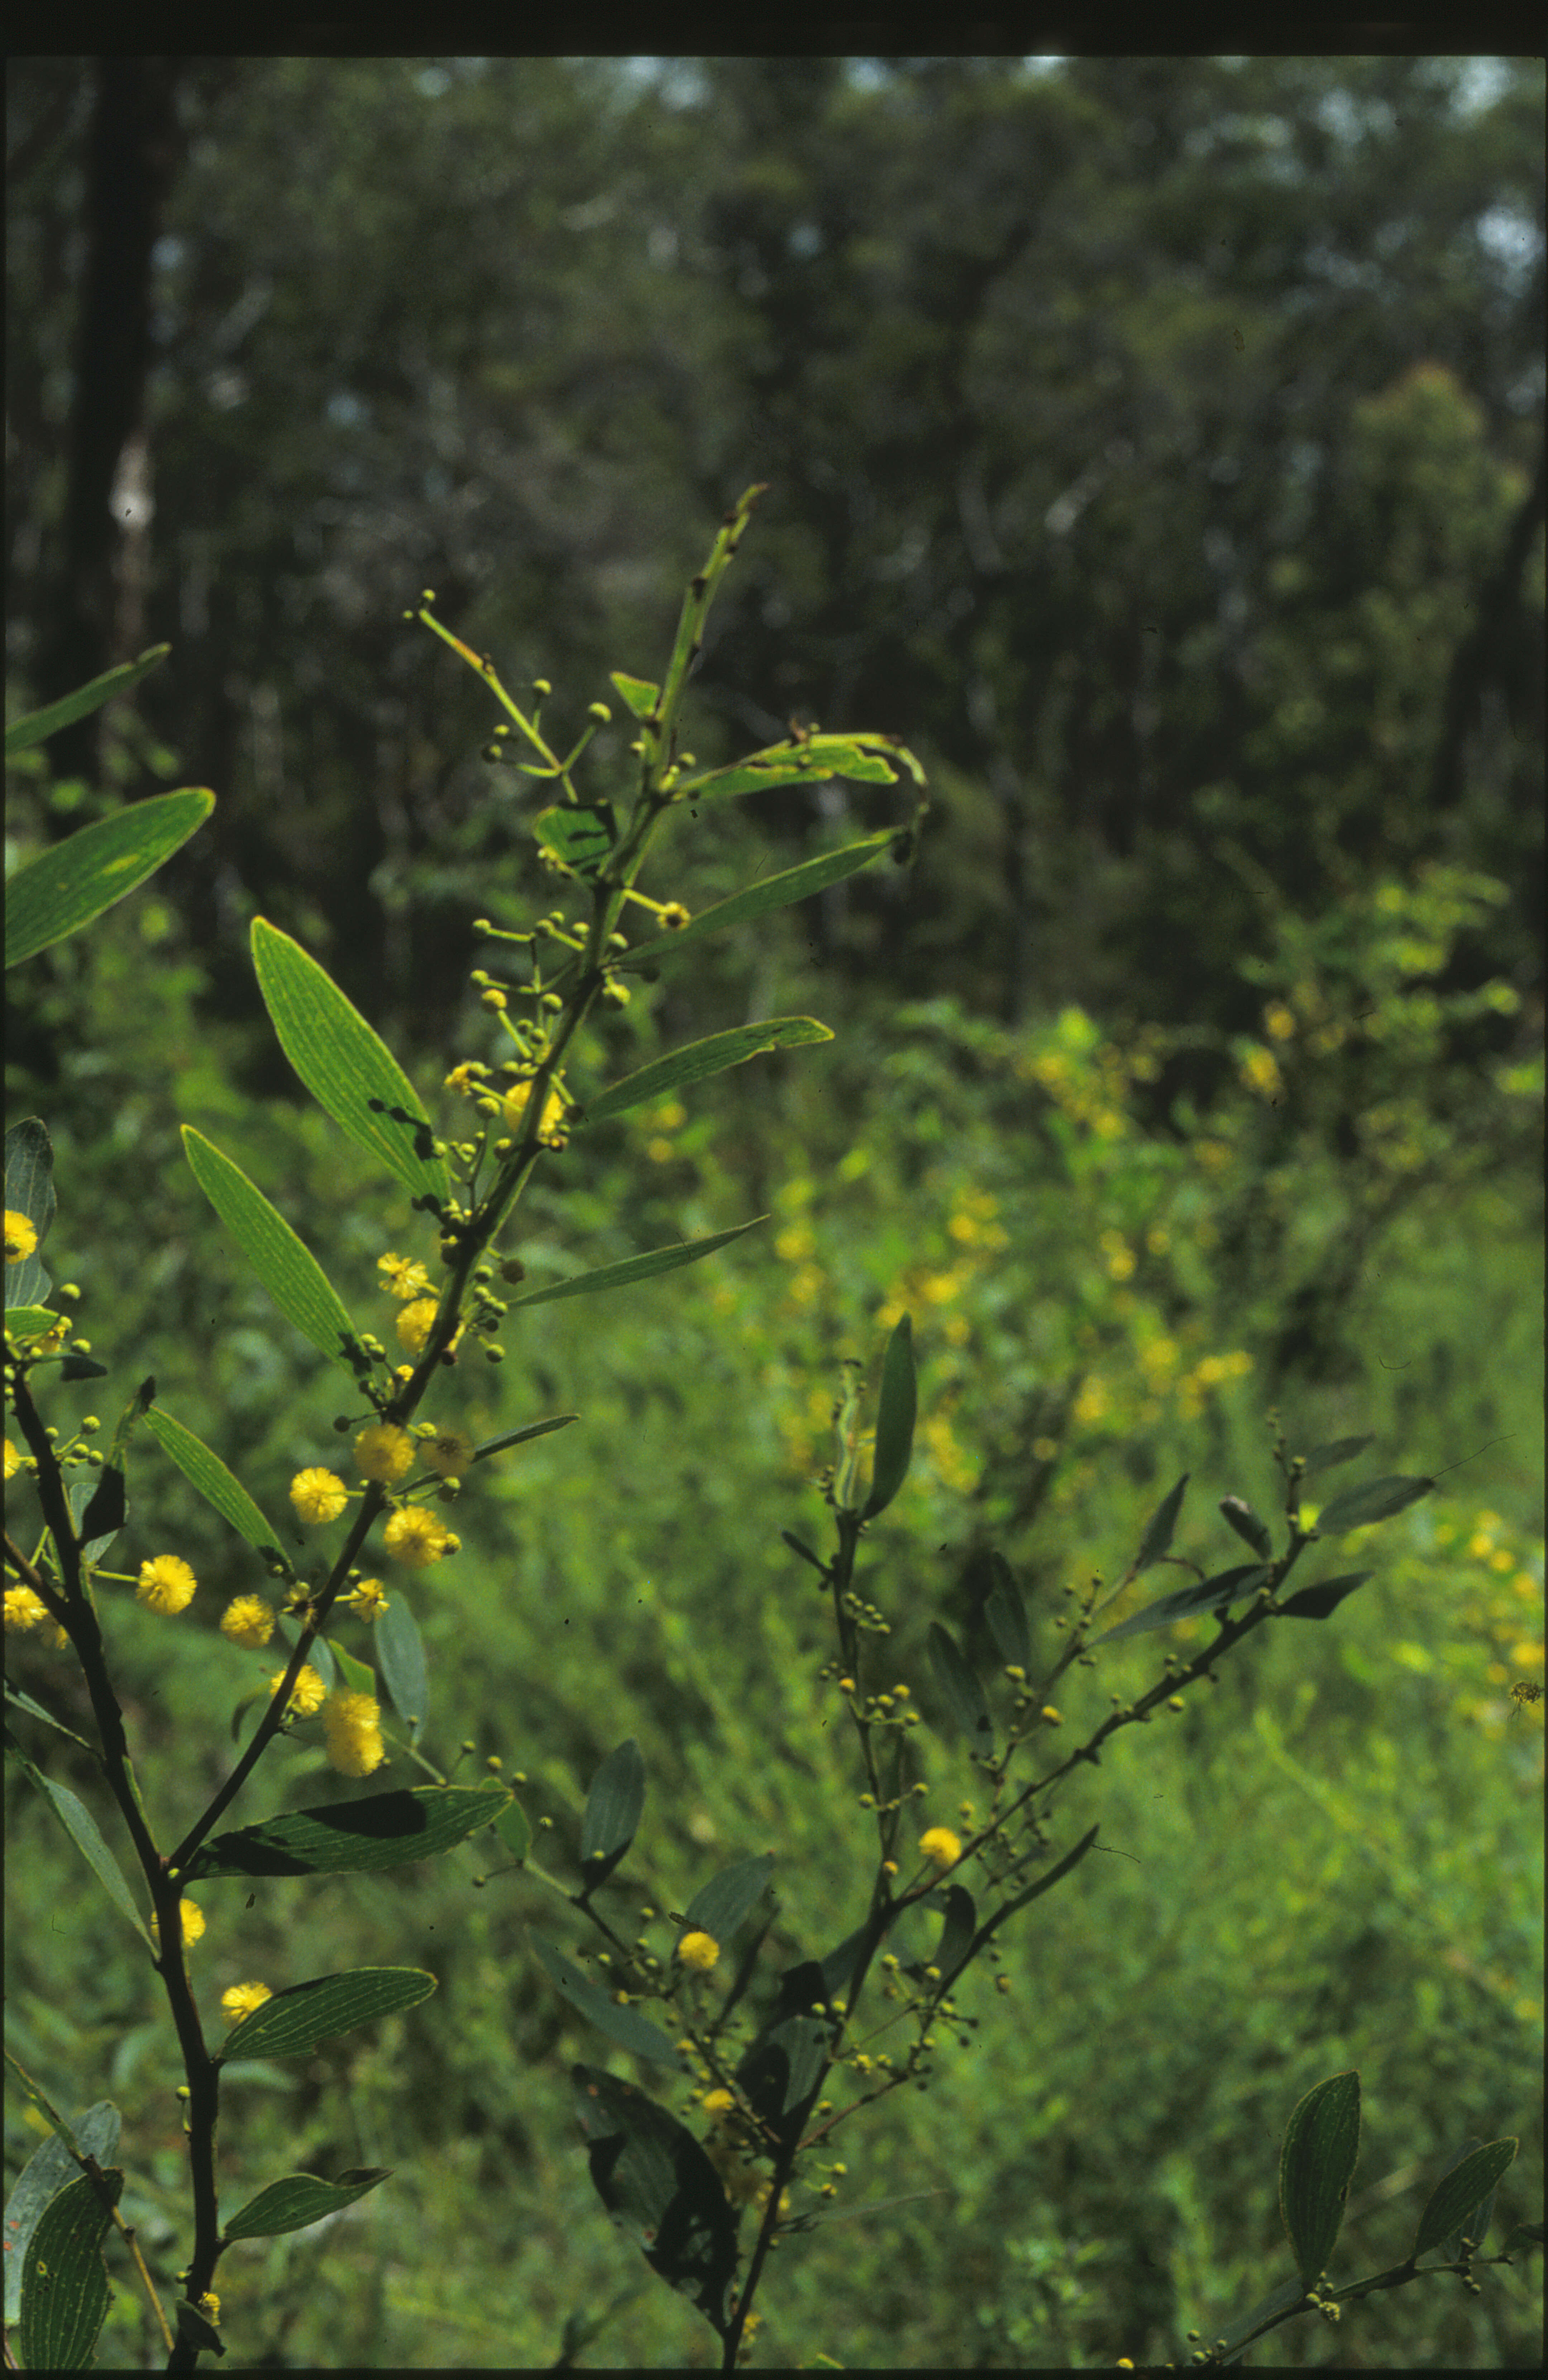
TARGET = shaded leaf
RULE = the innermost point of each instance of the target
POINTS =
(960, 1689)
(1225, 1587)
(612, 1813)
(616, 2019)
(64, 2280)
(637, 692)
(74, 882)
(344, 1065)
(47, 2172)
(1005, 1613)
(1248, 1525)
(896, 1414)
(292, 2023)
(297, 2199)
(87, 1837)
(622, 1275)
(380, 1831)
(1158, 1537)
(699, 1060)
(719, 1907)
(1317, 1602)
(582, 836)
(1463, 2201)
(29, 1192)
(400, 1648)
(1377, 1500)
(1337, 1449)
(1316, 2162)
(658, 2184)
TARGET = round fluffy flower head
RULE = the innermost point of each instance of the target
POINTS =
(241, 2000)
(405, 1276)
(20, 1237)
(412, 1325)
(193, 1923)
(319, 1495)
(450, 1452)
(385, 1452)
(166, 1584)
(248, 1621)
(418, 1537)
(23, 1608)
(940, 1845)
(515, 1103)
(306, 1694)
(352, 1725)
(699, 1950)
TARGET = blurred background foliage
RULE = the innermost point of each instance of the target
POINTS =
(1155, 445)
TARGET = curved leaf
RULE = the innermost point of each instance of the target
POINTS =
(283, 1263)
(895, 1418)
(36, 726)
(658, 2184)
(637, 692)
(383, 1830)
(400, 1648)
(64, 2279)
(1316, 2161)
(619, 2022)
(774, 893)
(1377, 1500)
(1158, 1537)
(87, 1837)
(718, 1907)
(292, 2023)
(960, 1689)
(69, 885)
(48, 2170)
(29, 1192)
(343, 1063)
(1226, 1586)
(613, 1808)
(297, 2199)
(624, 1274)
(1006, 1615)
(1317, 1602)
(699, 1061)
(1336, 1450)
(1461, 2205)
(214, 1482)
(864, 758)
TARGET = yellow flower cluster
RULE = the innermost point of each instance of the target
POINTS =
(352, 1724)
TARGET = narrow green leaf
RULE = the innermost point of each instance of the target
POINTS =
(896, 1414)
(612, 1813)
(719, 1907)
(1007, 1616)
(1248, 1525)
(620, 2023)
(29, 1192)
(36, 726)
(283, 1263)
(515, 1829)
(213, 1481)
(1320, 1601)
(292, 2022)
(87, 1837)
(344, 1065)
(74, 882)
(658, 2185)
(864, 758)
(582, 837)
(64, 2281)
(624, 1274)
(637, 692)
(383, 1830)
(1462, 2203)
(960, 1689)
(1337, 1449)
(774, 893)
(1158, 1537)
(297, 2199)
(399, 1649)
(1377, 1500)
(699, 1060)
(521, 1436)
(1226, 1586)
(1316, 2162)
(1237, 2334)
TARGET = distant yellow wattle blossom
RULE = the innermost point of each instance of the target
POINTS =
(941, 1845)
(418, 1537)
(166, 1584)
(699, 1950)
(352, 1725)
(415, 1323)
(242, 1999)
(1260, 1072)
(319, 1495)
(12, 1460)
(20, 1237)
(248, 1621)
(385, 1452)
(513, 1105)
(23, 1608)
(450, 1452)
(369, 1598)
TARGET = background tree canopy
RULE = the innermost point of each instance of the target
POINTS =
(1155, 444)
